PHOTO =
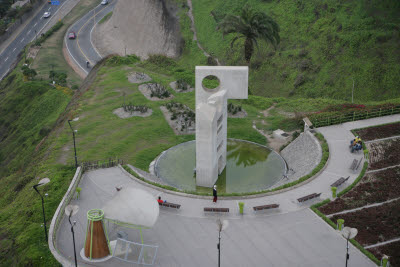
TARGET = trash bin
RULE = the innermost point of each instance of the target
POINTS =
(340, 224)
(334, 191)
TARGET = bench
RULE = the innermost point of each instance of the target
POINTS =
(169, 205)
(216, 209)
(354, 166)
(266, 207)
(308, 197)
(307, 124)
(340, 181)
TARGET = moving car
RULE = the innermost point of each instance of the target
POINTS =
(46, 15)
(104, 2)
(71, 35)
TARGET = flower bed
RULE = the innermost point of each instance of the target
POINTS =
(392, 249)
(373, 188)
(379, 132)
(375, 224)
(384, 154)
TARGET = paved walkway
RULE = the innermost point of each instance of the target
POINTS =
(289, 236)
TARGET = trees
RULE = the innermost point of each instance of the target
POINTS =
(251, 25)
(29, 73)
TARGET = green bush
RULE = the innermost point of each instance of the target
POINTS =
(118, 60)
(46, 35)
(161, 61)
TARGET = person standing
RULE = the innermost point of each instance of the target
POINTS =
(215, 194)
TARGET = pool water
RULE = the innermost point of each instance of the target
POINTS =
(250, 168)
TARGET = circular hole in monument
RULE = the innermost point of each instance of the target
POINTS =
(210, 82)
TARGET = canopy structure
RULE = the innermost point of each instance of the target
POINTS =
(132, 207)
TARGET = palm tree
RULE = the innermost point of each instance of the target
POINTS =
(251, 25)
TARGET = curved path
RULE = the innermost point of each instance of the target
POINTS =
(290, 236)
(82, 49)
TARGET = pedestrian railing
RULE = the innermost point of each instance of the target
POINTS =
(90, 165)
(354, 116)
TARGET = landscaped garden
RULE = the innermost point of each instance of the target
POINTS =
(376, 198)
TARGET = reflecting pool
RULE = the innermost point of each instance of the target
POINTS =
(250, 167)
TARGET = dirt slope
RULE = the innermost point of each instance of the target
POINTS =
(143, 27)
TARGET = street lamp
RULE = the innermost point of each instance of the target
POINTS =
(73, 136)
(222, 225)
(352, 92)
(348, 233)
(42, 182)
(69, 211)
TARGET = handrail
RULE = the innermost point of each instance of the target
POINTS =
(353, 116)
(58, 215)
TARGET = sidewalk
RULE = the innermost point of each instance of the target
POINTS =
(289, 236)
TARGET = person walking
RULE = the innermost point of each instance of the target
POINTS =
(215, 194)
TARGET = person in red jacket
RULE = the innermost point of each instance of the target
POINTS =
(160, 201)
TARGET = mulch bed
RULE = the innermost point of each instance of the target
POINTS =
(392, 250)
(379, 132)
(384, 154)
(373, 188)
(375, 224)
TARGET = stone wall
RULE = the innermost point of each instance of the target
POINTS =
(302, 155)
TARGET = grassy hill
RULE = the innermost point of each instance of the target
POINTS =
(325, 44)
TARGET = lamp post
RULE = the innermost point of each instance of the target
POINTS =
(352, 92)
(348, 233)
(69, 211)
(73, 136)
(222, 225)
(42, 182)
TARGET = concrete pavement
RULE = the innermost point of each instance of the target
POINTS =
(289, 236)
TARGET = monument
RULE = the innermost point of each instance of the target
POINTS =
(211, 118)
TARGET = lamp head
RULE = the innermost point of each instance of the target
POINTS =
(71, 210)
(43, 182)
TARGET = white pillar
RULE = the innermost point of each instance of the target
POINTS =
(211, 118)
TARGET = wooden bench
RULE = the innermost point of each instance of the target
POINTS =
(354, 166)
(266, 207)
(308, 197)
(208, 209)
(340, 181)
(170, 205)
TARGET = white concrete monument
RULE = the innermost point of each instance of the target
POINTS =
(211, 118)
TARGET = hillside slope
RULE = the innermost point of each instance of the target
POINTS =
(325, 44)
(140, 27)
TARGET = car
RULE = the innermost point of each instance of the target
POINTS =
(71, 35)
(104, 2)
(46, 15)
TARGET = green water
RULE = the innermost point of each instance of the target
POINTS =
(249, 168)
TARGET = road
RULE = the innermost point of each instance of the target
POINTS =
(28, 34)
(82, 49)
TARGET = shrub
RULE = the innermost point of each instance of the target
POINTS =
(118, 60)
(161, 61)
(46, 35)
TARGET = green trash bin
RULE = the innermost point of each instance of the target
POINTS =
(340, 224)
(385, 261)
(241, 206)
(334, 191)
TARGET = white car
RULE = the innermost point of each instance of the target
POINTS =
(104, 2)
(46, 15)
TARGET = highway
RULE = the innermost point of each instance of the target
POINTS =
(28, 34)
(81, 49)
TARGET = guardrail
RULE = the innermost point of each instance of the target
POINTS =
(354, 116)
(58, 215)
